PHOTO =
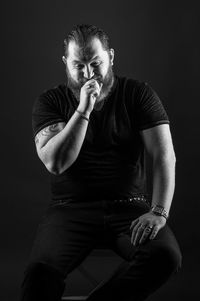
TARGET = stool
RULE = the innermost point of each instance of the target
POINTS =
(99, 251)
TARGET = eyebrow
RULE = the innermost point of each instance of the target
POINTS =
(77, 61)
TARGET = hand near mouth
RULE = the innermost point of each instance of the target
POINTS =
(88, 95)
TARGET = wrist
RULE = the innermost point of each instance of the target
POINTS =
(160, 211)
(85, 112)
(82, 114)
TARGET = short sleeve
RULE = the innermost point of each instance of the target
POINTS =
(149, 108)
(45, 112)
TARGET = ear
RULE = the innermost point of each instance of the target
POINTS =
(112, 54)
(64, 59)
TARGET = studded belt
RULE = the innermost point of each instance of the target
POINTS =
(133, 199)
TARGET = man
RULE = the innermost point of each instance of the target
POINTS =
(91, 134)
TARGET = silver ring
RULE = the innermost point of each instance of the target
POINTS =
(148, 229)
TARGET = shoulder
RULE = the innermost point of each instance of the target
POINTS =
(51, 97)
(54, 92)
(124, 81)
(133, 90)
(131, 84)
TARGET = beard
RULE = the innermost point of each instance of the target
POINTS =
(107, 82)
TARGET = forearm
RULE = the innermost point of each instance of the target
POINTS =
(163, 181)
(62, 150)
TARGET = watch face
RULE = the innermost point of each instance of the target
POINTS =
(160, 211)
(156, 213)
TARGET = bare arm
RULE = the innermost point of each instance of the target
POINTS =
(158, 143)
(58, 145)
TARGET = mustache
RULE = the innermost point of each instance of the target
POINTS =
(83, 81)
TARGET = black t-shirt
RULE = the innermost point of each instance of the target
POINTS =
(111, 160)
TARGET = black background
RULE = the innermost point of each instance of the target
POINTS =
(154, 41)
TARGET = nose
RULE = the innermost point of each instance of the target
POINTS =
(88, 72)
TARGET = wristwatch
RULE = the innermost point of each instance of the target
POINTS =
(159, 210)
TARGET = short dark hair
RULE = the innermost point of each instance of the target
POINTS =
(83, 33)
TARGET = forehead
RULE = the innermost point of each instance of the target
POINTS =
(93, 48)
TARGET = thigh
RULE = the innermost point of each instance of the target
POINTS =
(165, 242)
(65, 236)
(120, 232)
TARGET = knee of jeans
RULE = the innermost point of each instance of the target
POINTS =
(168, 258)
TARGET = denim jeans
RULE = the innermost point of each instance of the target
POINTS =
(70, 230)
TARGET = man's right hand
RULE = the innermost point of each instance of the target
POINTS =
(88, 95)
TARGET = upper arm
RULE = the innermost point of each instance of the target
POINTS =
(158, 141)
(47, 133)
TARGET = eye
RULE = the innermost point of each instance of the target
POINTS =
(79, 66)
(96, 64)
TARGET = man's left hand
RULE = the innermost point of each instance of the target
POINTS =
(146, 227)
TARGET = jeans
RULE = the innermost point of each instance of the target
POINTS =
(70, 230)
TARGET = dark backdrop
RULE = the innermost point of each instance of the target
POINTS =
(154, 41)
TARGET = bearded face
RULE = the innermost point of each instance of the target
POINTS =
(107, 82)
(92, 62)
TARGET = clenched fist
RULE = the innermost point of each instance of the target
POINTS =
(88, 95)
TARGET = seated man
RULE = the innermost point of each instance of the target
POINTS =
(91, 133)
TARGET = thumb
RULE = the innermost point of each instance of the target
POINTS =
(93, 97)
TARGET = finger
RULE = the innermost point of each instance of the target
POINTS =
(90, 84)
(143, 237)
(154, 232)
(134, 231)
(138, 234)
(94, 92)
(134, 223)
(98, 87)
(93, 82)
(94, 86)
(145, 234)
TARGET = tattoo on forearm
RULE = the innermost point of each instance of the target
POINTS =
(47, 131)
